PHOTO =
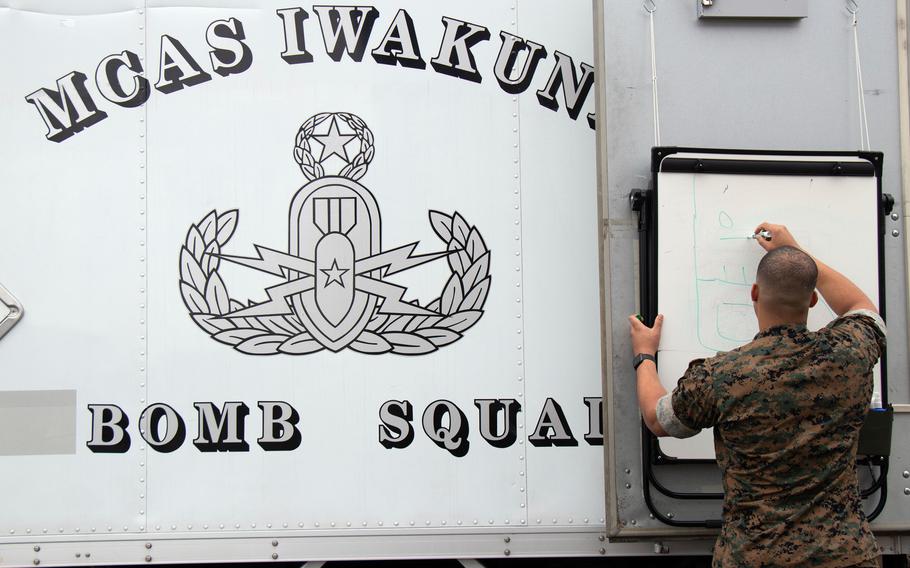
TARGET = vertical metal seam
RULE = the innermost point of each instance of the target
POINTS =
(143, 244)
(522, 377)
(605, 273)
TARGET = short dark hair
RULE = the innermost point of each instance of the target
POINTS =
(787, 276)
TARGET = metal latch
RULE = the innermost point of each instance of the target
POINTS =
(11, 311)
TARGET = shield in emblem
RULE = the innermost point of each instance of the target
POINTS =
(334, 221)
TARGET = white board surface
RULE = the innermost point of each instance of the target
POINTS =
(706, 264)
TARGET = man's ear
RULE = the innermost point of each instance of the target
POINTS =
(755, 292)
(813, 299)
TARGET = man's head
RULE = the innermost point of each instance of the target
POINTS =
(784, 288)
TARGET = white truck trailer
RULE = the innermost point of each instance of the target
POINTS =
(316, 282)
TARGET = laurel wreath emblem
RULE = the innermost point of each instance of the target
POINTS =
(458, 307)
(312, 168)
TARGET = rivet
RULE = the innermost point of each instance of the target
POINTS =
(274, 556)
(603, 551)
(895, 216)
(148, 545)
(628, 486)
(601, 538)
(586, 520)
(474, 521)
(332, 523)
(522, 505)
(36, 562)
(906, 474)
(205, 526)
(148, 558)
(628, 471)
(634, 522)
(459, 523)
(669, 515)
(507, 539)
(221, 526)
(507, 552)
(285, 525)
(88, 554)
(37, 548)
(268, 525)
(895, 233)
(346, 524)
(78, 555)
(316, 524)
(379, 523)
(906, 490)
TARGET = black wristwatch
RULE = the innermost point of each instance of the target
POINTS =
(641, 358)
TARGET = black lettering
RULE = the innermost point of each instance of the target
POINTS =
(177, 68)
(455, 57)
(150, 428)
(221, 430)
(552, 428)
(490, 409)
(512, 47)
(346, 29)
(109, 435)
(396, 430)
(447, 426)
(67, 110)
(107, 79)
(229, 54)
(294, 39)
(399, 45)
(279, 427)
(574, 91)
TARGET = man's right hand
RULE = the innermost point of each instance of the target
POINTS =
(780, 237)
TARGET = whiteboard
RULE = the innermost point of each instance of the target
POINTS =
(706, 263)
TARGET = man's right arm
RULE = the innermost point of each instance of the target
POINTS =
(842, 295)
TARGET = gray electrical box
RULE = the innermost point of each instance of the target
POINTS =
(780, 9)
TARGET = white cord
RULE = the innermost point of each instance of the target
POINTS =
(864, 142)
(650, 7)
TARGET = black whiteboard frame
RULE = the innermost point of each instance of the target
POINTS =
(652, 456)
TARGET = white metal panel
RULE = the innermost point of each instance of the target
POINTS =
(71, 253)
(146, 176)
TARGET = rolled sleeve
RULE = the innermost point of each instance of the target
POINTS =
(666, 416)
(861, 330)
(694, 400)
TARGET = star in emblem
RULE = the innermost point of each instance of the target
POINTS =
(333, 142)
(334, 274)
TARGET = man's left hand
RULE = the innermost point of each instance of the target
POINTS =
(645, 339)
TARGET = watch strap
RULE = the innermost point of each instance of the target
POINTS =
(641, 358)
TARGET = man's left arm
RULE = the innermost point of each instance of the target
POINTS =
(645, 341)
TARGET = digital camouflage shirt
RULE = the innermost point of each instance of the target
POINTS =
(786, 410)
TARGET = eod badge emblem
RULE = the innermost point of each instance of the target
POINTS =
(335, 292)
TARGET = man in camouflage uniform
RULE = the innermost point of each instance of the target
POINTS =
(786, 411)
